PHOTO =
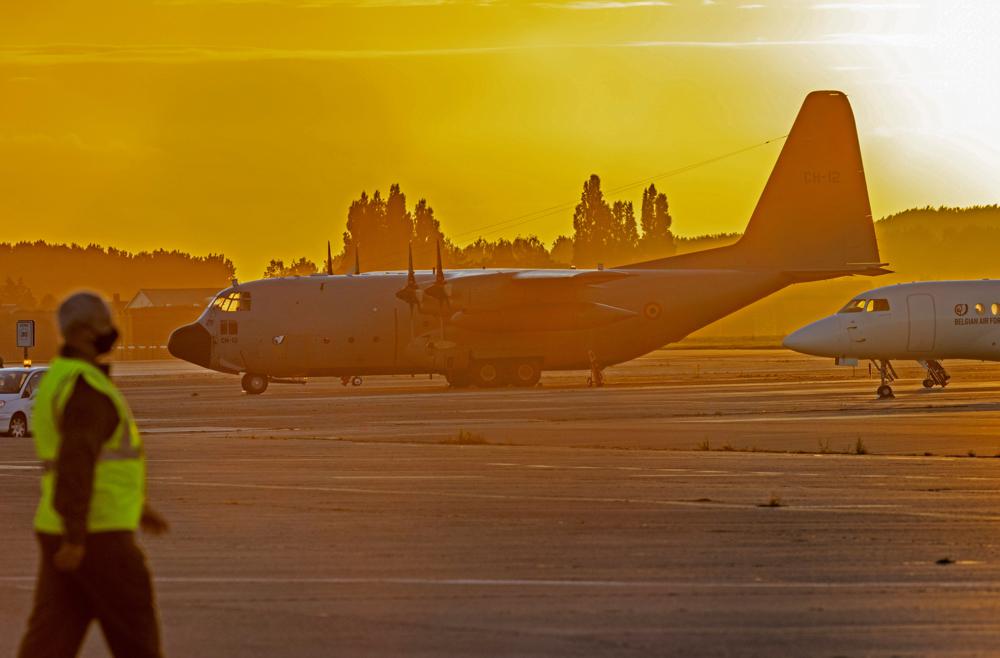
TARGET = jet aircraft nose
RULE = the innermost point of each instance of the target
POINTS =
(821, 338)
(193, 343)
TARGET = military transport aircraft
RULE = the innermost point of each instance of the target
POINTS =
(496, 327)
(926, 322)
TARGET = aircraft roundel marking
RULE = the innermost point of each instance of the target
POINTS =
(652, 310)
(961, 309)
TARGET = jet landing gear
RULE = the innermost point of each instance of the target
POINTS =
(936, 374)
(888, 375)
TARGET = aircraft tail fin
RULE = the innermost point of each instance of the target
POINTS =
(814, 214)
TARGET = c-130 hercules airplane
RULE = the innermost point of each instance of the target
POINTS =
(497, 327)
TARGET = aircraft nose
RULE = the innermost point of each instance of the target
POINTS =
(193, 343)
(821, 338)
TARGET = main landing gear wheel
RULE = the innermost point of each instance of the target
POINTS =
(487, 374)
(884, 392)
(526, 374)
(936, 374)
(254, 384)
(18, 426)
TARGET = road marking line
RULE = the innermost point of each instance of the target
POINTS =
(406, 477)
(749, 507)
(523, 582)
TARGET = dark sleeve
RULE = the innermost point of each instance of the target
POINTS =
(88, 420)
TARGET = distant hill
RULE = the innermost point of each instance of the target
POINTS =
(940, 243)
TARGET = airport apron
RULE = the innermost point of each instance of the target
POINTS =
(120, 474)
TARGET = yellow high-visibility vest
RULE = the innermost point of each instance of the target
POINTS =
(120, 474)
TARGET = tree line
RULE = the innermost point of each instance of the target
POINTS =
(380, 230)
(33, 275)
(36, 274)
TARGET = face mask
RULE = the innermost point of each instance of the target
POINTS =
(104, 342)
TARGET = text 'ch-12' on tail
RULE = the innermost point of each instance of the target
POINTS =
(813, 219)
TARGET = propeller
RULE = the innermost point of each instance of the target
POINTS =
(357, 261)
(441, 291)
(411, 292)
(329, 259)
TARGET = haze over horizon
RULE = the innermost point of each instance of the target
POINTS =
(248, 126)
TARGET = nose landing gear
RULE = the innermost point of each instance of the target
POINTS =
(887, 374)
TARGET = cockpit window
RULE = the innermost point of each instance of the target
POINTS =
(866, 306)
(854, 306)
(233, 301)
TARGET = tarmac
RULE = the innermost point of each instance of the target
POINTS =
(703, 503)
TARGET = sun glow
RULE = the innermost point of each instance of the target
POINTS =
(248, 127)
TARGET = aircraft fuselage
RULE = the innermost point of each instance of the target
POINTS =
(929, 320)
(345, 325)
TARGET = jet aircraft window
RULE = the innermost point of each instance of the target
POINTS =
(854, 306)
(866, 305)
(876, 305)
(233, 301)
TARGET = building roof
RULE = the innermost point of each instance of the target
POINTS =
(167, 297)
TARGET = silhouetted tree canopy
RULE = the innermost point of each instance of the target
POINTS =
(15, 293)
(608, 231)
(50, 271)
(381, 230)
(300, 267)
(657, 240)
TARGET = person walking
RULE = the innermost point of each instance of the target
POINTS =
(93, 498)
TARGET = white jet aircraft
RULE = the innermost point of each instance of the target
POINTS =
(499, 327)
(926, 322)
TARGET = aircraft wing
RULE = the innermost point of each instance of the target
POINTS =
(579, 277)
(848, 269)
(544, 278)
(531, 295)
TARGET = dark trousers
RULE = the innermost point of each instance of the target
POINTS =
(112, 585)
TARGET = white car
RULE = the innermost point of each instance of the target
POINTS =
(17, 396)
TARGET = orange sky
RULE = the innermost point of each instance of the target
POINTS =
(248, 126)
